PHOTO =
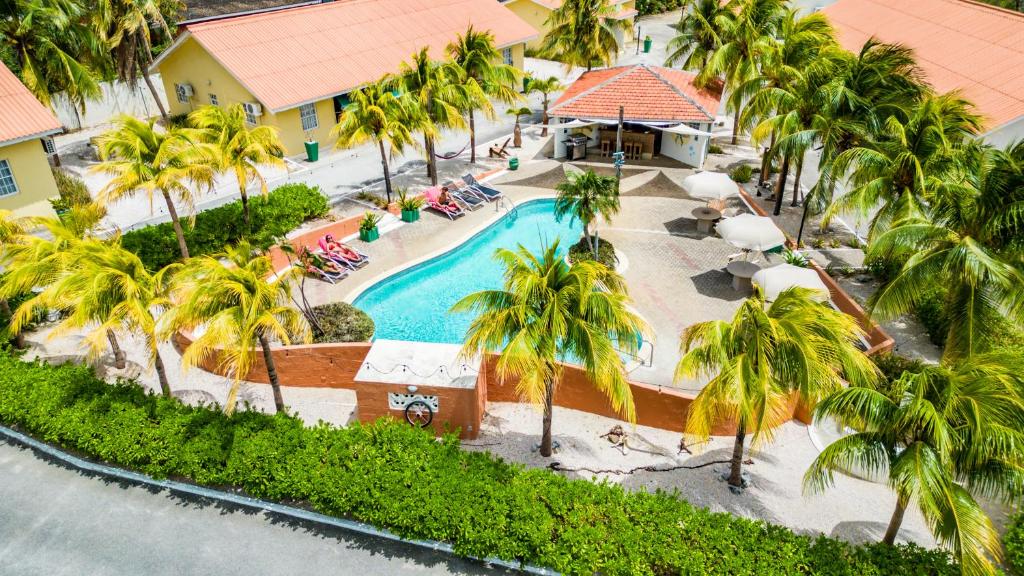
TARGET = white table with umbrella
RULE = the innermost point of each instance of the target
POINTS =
(777, 279)
(710, 186)
(749, 233)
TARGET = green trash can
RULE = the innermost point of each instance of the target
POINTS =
(312, 151)
(513, 163)
(647, 44)
(526, 84)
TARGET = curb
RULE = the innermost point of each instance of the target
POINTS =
(254, 503)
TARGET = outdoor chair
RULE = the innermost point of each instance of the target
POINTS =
(351, 264)
(467, 198)
(495, 152)
(312, 270)
(487, 191)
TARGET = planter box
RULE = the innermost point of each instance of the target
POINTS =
(369, 235)
(410, 215)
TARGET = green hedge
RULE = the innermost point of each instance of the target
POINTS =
(605, 252)
(284, 209)
(394, 476)
(645, 7)
(1013, 543)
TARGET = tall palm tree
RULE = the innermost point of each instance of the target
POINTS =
(697, 34)
(241, 309)
(438, 88)
(548, 311)
(484, 75)
(53, 48)
(12, 231)
(107, 288)
(582, 33)
(965, 244)
(375, 114)
(940, 437)
(143, 159)
(585, 196)
(906, 162)
(761, 357)
(546, 87)
(238, 147)
(746, 34)
(125, 27)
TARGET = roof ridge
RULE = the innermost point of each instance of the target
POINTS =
(993, 8)
(678, 91)
(269, 13)
(602, 84)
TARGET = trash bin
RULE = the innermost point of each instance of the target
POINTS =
(526, 84)
(312, 151)
(647, 44)
(513, 163)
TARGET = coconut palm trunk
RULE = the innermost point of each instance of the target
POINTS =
(182, 246)
(5, 308)
(152, 89)
(796, 184)
(895, 522)
(428, 144)
(780, 190)
(275, 384)
(736, 126)
(472, 137)
(549, 401)
(736, 466)
(115, 347)
(161, 374)
(765, 163)
(240, 175)
(387, 172)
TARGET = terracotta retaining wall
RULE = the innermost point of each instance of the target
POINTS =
(308, 239)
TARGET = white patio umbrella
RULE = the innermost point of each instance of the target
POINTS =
(710, 186)
(776, 279)
(751, 232)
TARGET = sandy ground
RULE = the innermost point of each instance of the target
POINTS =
(854, 510)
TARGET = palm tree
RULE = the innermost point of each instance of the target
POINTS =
(517, 131)
(546, 87)
(582, 33)
(238, 147)
(52, 48)
(966, 243)
(760, 358)
(746, 32)
(107, 288)
(585, 196)
(375, 113)
(124, 26)
(484, 77)
(231, 296)
(940, 437)
(440, 92)
(906, 162)
(144, 159)
(12, 231)
(697, 34)
(548, 311)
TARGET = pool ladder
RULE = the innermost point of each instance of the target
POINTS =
(644, 355)
(509, 207)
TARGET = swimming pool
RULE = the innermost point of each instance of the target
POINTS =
(413, 304)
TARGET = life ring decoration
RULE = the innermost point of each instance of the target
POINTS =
(419, 413)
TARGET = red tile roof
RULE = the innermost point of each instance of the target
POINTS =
(959, 44)
(647, 93)
(22, 117)
(303, 54)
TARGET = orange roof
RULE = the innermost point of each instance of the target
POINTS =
(304, 54)
(22, 117)
(959, 44)
(622, 14)
(648, 93)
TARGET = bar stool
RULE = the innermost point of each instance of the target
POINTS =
(606, 148)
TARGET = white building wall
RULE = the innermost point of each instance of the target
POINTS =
(687, 149)
(118, 98)
(1006, 134)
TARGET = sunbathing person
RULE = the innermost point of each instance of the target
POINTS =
(340, 250)
(329, 266)
(445, 200)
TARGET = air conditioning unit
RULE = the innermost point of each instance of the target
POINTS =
(252, 108)
(184, 92)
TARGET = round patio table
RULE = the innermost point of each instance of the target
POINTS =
(742, 271)
(705, 216)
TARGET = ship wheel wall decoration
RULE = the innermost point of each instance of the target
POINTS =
(419, 413)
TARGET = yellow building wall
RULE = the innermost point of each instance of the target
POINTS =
(535, 15)
(289, 126)
(191, 64)
(33, 177)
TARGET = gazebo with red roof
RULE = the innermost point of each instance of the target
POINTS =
(664, 112)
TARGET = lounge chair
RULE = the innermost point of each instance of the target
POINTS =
(495, 152)
(313, 270)
(465, 196)
(351, 264)
(487, 191)
(451, 211)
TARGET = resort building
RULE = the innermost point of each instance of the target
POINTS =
(291, 68)
(26, 180)
(960, 44)
(664, 114)
(536, 13)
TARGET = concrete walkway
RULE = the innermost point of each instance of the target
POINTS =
(55, 521)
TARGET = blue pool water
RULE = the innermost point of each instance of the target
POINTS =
(413, 304)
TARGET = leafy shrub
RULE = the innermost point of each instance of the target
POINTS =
(893, 365)
(1013, 544)
(741, 173)
(73, 191)
(283, 210)
(931, 312)
(795, 258)
(605, 253)
(369, 221)
(715, 149)
(398, 477)
(342, 322)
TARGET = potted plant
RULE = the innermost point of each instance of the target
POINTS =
(410, 206)
(368, 227)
